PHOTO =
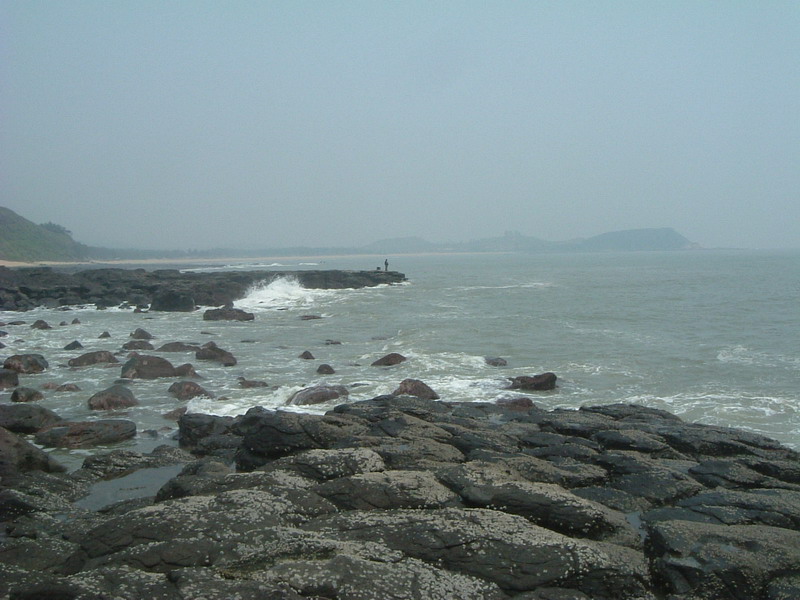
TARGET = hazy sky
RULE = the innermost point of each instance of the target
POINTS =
(190, 124)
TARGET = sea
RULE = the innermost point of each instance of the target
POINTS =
(712, 336)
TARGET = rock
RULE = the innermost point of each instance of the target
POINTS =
(85, 434)
(310, 317)
(194, 427)
(137, 345)
(175, 414)
(227, 314)
(18, 456)
(495, 361)
(173, 301)
(520, 403)
(147, 367)
(114, 398)
(186, 370)
(26, 364)
(325, 465)
(325, 369)
(306, 355)
(317, 394)
(250, 383)
(40, 324)
(68, 387)
(25, 394)
(210, 351)
(186, 390)
(76, 345)
(544, 381)
(141, 334)
(389, 360)
(415, 387)
(705, 561)
(104, 335)
(8, 378)
(26, 418)
(178, 347)
(93, 358)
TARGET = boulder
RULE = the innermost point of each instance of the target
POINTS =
(325, 369)
(26, 418)
(76, 345)
(186, 370)
(41, 324)
(317, 394)
(68, 387)
(251, 383)
(495, 361)
(114, 398)
(173, 301)
(26, 364)
(306, 355)
(8, 378)
(104, 335)
(25, 394)
(93, 358)
(137, 345)
(389, 360)
(227, 313)
(147, 367)
(210, 351)
(141, 334)
(86, 434)
(415, 387)
(186, 390)
(18, 456)
(178, 347)
(544, 381)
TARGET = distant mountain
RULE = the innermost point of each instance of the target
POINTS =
(25, 241)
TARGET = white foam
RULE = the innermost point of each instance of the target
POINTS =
(283, 292)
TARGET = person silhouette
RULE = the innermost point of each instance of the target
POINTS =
(386, 265)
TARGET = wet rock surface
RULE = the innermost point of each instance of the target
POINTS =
(406, 497)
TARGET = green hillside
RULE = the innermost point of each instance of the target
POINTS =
(24, 241)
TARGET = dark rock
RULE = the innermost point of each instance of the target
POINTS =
(250, 383)
(318, 394)
(325, 369)
(26, 364)
(495, 361)
(541, 382)
(18, 456)
(114, 398)
(415, 387)
(227, 314)
(40, 324)
(173, 301)
(68, 387)
(8, 378)
(25, 394)
(186, 390)
(147, 367)
(210, 351)
(104, 335)
(333, 343)
(306, 355)
(137, 345)
(175, 414)
(76, 345)
(309, 317)
(93, 358)
(193, 427)
(141, 334)
(325, 465)
(26, 418)
(389, 360)
(85, 434)
(706, 562)
(186, 370)
(178, 347)
(520, 403)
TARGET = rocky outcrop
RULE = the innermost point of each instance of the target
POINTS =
(163, 290)
(404, 497)
(227, 313)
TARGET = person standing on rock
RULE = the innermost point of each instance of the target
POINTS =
(386, 265)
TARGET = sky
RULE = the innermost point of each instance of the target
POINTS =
(194, 124)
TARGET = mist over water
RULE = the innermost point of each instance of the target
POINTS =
(711, 336)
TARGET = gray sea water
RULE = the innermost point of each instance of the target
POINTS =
(709, 335)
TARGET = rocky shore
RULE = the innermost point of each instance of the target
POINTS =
(164, 289)
(404, 497)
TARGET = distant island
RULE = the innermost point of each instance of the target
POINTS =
(22, 240)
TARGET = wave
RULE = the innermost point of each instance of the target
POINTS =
(280, 293)
(742, 355)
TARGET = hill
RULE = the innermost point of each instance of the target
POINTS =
(25, 241)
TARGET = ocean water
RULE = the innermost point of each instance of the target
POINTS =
(712, 336)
